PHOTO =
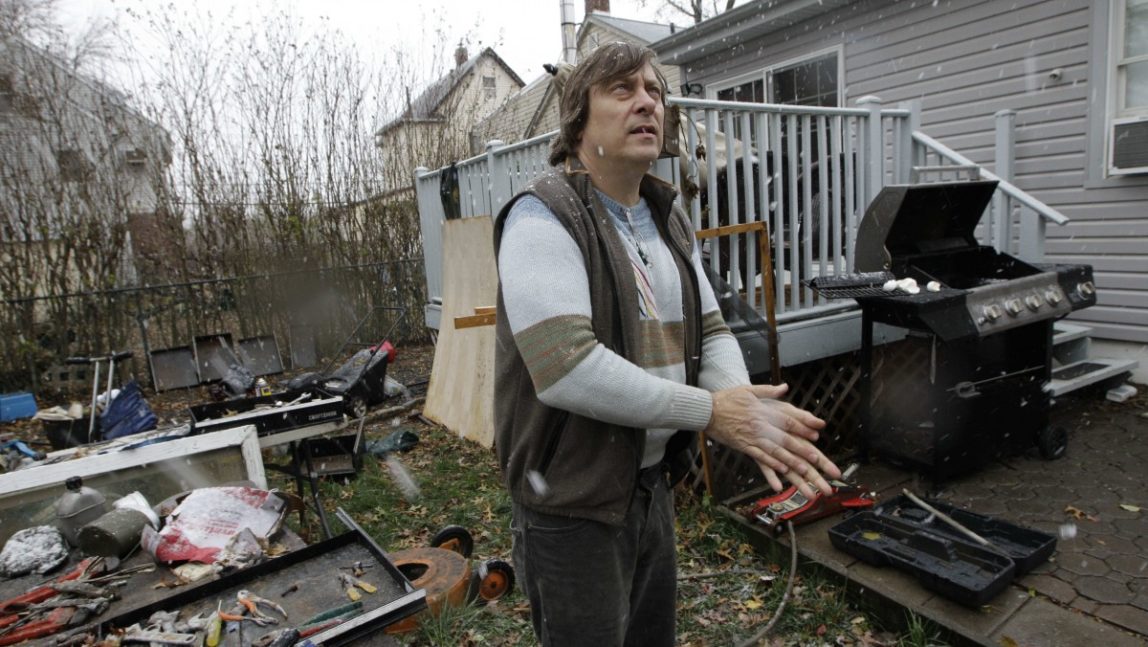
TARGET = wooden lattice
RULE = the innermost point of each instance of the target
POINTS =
(830, 389)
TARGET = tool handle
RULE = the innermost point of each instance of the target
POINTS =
(956, 525)
(123, 354)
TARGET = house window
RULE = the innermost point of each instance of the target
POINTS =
(809, 83)
(489, 90)
(1128, 142)
(753, 90)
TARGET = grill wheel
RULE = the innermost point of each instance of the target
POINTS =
(1052, 442)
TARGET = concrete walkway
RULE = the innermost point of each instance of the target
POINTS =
(1094, 589)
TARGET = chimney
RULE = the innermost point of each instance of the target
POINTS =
(460, 55)
(601, 6)
(569, 40)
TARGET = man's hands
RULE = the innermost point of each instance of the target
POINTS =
(776, 435)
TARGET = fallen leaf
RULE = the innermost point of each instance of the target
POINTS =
(753, 604)
(821, 630)
(1008, 642)
(1079, 514)
(1130, 508)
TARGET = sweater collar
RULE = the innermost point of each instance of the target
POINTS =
(659, 194)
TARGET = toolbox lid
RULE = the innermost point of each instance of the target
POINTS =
(907, 219)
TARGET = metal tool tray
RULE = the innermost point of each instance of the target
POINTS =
(957, 569)
(314, 569)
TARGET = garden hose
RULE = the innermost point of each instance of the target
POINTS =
(764, 631)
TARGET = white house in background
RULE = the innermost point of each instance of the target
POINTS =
(533, 110)
(72, 153)
(1074, 73)
(434, 127)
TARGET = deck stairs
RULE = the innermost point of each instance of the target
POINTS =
(1073, 368)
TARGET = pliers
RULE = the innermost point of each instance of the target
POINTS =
(351, 582)
(253, 602)
(56, 620)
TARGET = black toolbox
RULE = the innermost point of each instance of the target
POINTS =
(899, 533)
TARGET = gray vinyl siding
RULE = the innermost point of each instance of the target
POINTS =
(964, 60)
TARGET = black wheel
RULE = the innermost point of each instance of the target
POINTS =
(454, 538)
(1052, 442)
(493, 580)
(356, 406)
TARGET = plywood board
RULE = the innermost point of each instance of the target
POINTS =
(461, 391)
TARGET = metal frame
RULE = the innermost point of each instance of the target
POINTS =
(124, 453)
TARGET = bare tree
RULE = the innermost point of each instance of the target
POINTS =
(697, 10)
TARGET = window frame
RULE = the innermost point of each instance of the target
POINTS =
(1114, 113)
(765, 74)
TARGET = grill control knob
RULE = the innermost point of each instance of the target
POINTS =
(992, 312)
(1033, 302)
(1085, 289)
(1013, 306)
(1052, 296)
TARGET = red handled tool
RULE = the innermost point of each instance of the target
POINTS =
(791, 505)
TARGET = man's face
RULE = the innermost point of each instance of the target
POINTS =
(625, 120)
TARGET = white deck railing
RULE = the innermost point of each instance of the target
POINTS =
(807, 172)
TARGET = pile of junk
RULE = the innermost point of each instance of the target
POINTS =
(212, 565)
(348, 388)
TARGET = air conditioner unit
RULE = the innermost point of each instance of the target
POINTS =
(1129, 146)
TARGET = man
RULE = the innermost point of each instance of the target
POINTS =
(611, 355)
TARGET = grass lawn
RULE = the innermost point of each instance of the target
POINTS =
(727, 591)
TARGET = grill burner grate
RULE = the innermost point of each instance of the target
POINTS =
(852, 286)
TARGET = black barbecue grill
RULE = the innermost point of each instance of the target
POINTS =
(968, 384)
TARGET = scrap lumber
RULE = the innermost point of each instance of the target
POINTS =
(460, 395)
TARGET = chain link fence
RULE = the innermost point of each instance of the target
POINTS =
(311, 315)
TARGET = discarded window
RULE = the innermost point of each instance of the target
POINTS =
(156, 471)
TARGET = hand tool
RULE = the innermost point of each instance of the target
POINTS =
(792, 505)
(214, 627)
(354, 607)
(350, 583)
(253, 602)
(49, 590)
(159, 637)
(55, 621)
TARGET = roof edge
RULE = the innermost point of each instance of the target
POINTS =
(692, 43)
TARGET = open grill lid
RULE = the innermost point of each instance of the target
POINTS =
(906, 220)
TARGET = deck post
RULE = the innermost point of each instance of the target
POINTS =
(1001, 205)
(904, 161)
(874, 153)
(499, 175)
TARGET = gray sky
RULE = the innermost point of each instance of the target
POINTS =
(525, 33)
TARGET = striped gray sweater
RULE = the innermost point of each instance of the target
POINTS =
(547, 302)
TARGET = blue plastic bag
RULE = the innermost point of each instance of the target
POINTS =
(127, 414)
